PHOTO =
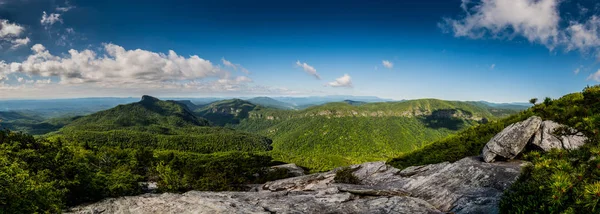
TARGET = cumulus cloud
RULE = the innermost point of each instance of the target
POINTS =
(387, 64)
(20, 42)
(10, 30)
(10, 33)
(344, 81)
(584, 36)
(538, 21)
(48, 20)
(114, 66)
(308, 69)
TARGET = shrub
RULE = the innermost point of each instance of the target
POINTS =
(345, 176)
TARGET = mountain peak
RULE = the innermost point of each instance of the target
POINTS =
(148, 98)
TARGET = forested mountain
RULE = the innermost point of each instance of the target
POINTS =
(226, 111)
(158, 124)
(32, 123)
(271, 103)
(306, 102)
(149, 112)
(337, 134)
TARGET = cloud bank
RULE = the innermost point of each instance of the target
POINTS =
(115, 66)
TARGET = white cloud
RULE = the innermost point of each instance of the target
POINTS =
(576, 71)
(115, 70)
(10, 30)
(10, 34)
(65, 8)
(115, 66)
(308, 69)
(387, 64)
(43, 81)
(594, 76)
(20, 42)
(492, 66)
(584, 36)
(344, 81)
(228, 63)
(536, 20)
(234, 66)
(70, 30)
(51, 19)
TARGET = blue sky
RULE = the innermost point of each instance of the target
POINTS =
(494, 50)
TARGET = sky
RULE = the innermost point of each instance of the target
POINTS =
(493, 50)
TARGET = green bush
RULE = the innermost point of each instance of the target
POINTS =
(37, 175)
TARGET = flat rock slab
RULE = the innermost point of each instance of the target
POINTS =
(466, 186)
(248, 202)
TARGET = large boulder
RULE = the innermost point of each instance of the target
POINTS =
(466, 186)
(546, 137)
(512, 140)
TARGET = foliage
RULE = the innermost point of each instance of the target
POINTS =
(562, 181)
(533, 101)
(345, 176)
(38, 175)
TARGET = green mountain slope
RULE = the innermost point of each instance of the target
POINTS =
(158, 124)
(148, 114)
(337, 134)
(226, 111)
(31, 122)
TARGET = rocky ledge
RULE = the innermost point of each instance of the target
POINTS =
(466, 186)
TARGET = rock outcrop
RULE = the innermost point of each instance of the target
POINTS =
(466, 186)
(546, 137)
(292, 169)
(533, 131)
(512, 140)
